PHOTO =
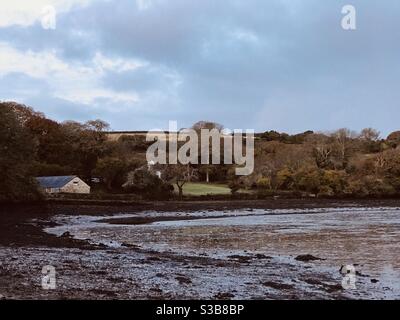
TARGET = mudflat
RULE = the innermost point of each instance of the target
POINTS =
(273, 249)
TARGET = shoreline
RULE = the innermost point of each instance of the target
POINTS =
(17, 229)
(237, 199)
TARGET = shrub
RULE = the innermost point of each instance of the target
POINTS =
(369, 186)
(308, 179)
(334, 180)
(146, 183)
(235, 185)
(264, 183)
(326, 191)
(284, 179)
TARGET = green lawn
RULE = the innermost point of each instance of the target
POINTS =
(199, 189)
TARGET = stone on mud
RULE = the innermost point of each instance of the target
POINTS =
(307, 258)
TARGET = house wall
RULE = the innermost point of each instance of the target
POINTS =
(51, 190)
(76, 186)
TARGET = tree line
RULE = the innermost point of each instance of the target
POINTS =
(339, 163)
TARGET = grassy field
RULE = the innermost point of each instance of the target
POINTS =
(199, 189)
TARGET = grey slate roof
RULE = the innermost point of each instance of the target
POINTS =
(54, 182)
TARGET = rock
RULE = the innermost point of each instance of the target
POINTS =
(66, 235)
(312, 281)
(374, 280)
(277, 286)
(183, 280)
(128, 245)
(158, 290)
(261, 256)
(307, 258)
(160, 275)
(153, 259)
(224, 296)
(332, 288)
(221, 264)
(358, 273)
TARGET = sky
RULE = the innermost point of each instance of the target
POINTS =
(285, 65)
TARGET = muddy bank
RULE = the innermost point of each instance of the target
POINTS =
(289, 249)
(126, 274)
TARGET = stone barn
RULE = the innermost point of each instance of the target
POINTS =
(63, 184)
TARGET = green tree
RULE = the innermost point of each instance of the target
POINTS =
(89, 143)
(113, 171)
(179, 175)
(146, 183)
(17, 153)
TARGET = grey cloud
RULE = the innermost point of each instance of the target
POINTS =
(274, 64)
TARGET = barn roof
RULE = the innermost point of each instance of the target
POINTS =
(54, 182)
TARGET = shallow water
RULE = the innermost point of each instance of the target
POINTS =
(368, 238)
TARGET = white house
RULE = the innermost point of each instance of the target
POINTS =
(63, 184)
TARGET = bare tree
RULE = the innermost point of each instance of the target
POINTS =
(322, 149)
(343, 140)
(370, 134)
(380, 163)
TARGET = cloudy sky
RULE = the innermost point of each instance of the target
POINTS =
(262, 64)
